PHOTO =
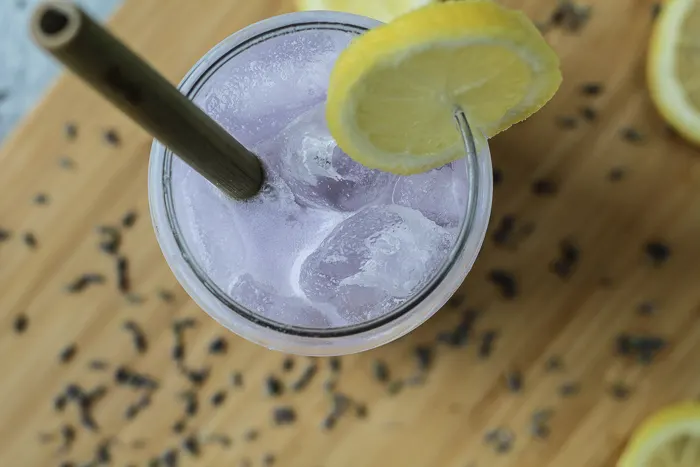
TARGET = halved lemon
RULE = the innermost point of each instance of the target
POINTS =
(670, 438)
(382, 10)
(673, 67)
(394, 91)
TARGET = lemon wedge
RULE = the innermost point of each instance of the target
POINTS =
(670, 438)
(674, 66)
(382, 10)
(394, 91)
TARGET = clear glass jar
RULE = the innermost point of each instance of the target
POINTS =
(263, 330)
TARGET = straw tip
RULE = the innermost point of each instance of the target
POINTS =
(54, 22)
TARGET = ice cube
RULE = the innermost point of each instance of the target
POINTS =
(261, 298)
(319, 173)
(374, 260)
(440, 194)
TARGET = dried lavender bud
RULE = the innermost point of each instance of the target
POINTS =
(198, 377)
(74, 392)
(59, 403)
(237, 379)
(87, 420)
(166, 296)
(178, 352)
(424, 357)
(566, 122)
(111, 137)
(335, 364)
(4, 235)
(501, 439)
(191, 403)
(459, 336)
(306, 377)
(134, 409)
(179, 427)
(98, 365)
(620, 391)
(544, 187)
(569, 389)
(218, 398)
(41, 199)
(329, 422)
(514, 381)
(251, 435)
(273, 386)
(287, 364)
(268, 460)
(170, 458)
(30, 240)
(632, 135)
(218, 346)
(656, 10)
(20, 323)
(554, 363)
(505, 282)
(658, 252)
(380, 370)
(497, 177)
(589, 113)
(84, 281)
(191, 445)
(645, 348)
(111, 240)
(503, 232)
(66, 163)
(570, 16)
(284, 415)
(68, 435)
(569, 255)
(183, 324)
(138, 336)
(591, 89)
(616, 174)
(542, 415)
(103, 454)
(129, 219)
(127, 377)
(68, 353)
(123, 280)
(539, 430)
(646, 308)
(486, 346)
(70, 131)
(361, 410)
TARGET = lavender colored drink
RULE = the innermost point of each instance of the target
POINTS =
(331, 257)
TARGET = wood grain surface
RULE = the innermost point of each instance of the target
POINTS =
(613, 197)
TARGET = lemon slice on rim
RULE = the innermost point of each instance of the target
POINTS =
(674, 66)
(670, 438)
(394, 91)
(382, 10)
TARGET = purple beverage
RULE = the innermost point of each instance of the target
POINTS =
(331, 257)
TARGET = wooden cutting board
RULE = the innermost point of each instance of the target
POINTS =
(602, 192)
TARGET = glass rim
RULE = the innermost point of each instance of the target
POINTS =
(161, 166)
